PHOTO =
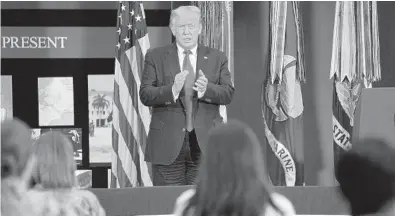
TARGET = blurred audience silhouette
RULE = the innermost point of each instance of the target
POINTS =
(38, 179)
(17, 163)
(232, 178)
(366, 175)
(54, 175)
(50, 164)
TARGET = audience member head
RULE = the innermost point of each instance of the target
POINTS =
(232, 175)
(366, 175)
(55, 161)
(186, 26)
(17, 162)
(16, 148)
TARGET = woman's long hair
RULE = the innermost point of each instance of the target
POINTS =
(232, 175)
(55, 161)
(16, 165)
(16, 147)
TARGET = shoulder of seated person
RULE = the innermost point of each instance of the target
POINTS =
(84, 195)
(84, 192)
(43, 202)
(387, 210)
(185, 196)
(283, 203)
(66, 195)
(85, 200)
(182, 201)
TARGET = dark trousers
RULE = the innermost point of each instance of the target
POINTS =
(184, 169)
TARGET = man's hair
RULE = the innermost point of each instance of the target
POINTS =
(366, 175)
(176, 12)
(16, 147)
(55, 161)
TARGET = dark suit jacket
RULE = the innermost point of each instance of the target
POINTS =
(166, 134)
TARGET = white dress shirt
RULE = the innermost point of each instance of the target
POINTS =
(192, 59)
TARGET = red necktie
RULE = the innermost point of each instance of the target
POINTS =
(189, 83)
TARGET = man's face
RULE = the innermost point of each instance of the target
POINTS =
(186, 29)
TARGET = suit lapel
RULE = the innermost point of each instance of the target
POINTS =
(201, 60)
(200, 65)
(172, 58)
(174, 67)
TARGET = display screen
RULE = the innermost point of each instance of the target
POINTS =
(100, 93)
(74, 134)
(56, 101)
(6, 97)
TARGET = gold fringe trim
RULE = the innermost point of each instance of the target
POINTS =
(356, 47)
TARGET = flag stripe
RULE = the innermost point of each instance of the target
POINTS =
(126, 131)
(134, 119)
(131, 125)
(114, 180)
(142, 110)
(134, 125)
(121, 176)
(114, 163)
(137, 138)
(117, 167)
(129, 97)
(126, 151)
(142, 113)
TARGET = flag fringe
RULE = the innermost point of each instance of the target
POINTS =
(277, 38)
(356, 47)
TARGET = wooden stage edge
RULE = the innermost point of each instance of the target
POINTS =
(160, 200)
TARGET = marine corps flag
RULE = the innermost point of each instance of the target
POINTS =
(282, 103)
(355, 65)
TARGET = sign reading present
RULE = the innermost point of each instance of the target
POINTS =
(67, 42)
(33, 42)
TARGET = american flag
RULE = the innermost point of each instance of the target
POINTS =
(131, 117)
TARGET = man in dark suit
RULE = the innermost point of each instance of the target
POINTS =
(184, 83)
